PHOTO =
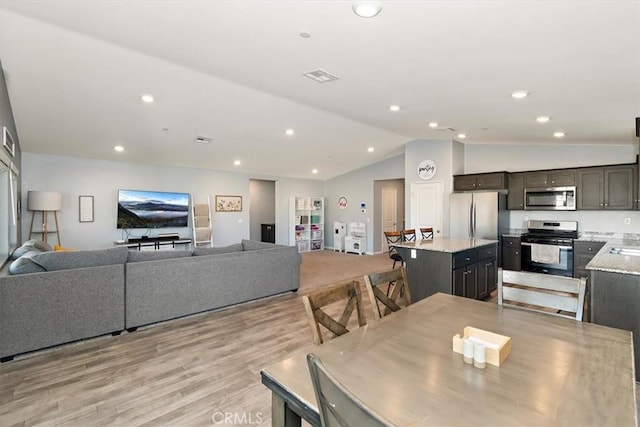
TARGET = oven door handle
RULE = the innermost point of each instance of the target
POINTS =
(545, 244)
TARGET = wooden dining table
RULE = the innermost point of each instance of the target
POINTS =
(559, 371)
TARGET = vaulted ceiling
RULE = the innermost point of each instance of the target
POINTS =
(233, 71)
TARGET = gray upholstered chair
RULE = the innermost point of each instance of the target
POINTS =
(337, 405)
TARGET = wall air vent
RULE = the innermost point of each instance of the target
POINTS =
(320, 76)
(203, 139)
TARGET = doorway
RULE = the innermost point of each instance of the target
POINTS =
(427, 206)
(262, 207)
(389, 213)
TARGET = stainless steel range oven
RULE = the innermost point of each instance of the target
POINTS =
(547, 247)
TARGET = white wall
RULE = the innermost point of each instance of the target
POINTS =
(447, 156)
(357, 187)
(102, 179)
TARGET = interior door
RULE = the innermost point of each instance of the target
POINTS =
(389, 212)
(427, 206)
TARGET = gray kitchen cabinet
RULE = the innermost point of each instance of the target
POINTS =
(551, 178)
(511, 253)
(609, 188)
(583, 253)
(615, 299)
(515, 198)
(482, 181)
(470, 273)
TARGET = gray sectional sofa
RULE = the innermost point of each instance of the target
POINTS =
(59, 297)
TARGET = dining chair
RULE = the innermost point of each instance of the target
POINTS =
(426, 233)
(383, 303)
(409, 235)
(316, 305)
(393, 237)
(337, 405)
(544, 293)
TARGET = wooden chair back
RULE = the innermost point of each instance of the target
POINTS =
(426, 233)
(393, 237)
(543, 293)
(336, 404)
(316, 302)
(409, 235)
(383, 303)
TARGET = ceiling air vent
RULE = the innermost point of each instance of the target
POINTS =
(448, 129)
(320, 76)
(203, 139)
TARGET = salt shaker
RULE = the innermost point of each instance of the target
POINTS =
(467, 353)
(479, 355)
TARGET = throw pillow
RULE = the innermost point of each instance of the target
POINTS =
(25, 264)
(24, 249)
(59, 248)
(52, 261)
(39, 244)
(138, 256)
(236, 247)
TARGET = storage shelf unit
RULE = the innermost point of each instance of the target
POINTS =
(307, 223)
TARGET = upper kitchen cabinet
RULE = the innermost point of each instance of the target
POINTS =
(609, 187)
(515, 198)
(481, 181)
(554, 178)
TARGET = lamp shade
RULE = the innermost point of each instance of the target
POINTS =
(44, 201)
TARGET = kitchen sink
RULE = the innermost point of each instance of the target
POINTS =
(625, 251)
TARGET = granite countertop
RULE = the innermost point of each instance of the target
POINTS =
(616, 263)
(446, 244)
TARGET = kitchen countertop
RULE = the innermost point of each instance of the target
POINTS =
(616, 263)
(446, 244)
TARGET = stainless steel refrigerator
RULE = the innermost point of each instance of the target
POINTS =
(479, 215)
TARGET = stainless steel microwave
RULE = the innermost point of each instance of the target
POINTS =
(550, 198)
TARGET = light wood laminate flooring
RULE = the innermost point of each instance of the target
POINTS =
(192, 371)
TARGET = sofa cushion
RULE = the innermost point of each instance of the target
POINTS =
(138, 256)
(236, 247)
(252, 245)
(25, 264)
(52, 261)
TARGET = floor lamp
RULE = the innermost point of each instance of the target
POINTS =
(44, 202)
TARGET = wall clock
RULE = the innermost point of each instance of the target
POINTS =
(342, 202)
(427, 169)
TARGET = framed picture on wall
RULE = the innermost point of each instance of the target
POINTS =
(85, 204)
(7, 141)
(228, 203)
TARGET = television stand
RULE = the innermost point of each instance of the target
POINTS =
(157, 242)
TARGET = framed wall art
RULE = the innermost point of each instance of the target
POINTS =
(85, 204)
(228, 203)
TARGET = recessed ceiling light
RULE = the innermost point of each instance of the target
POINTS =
(366, 9)
(147, 98)
(462, 135)
(559, 134)
(543, 119)
(237, 162)
(519, 94)
(394, 108)
(433, 124)
(314, 171)
(371, 149)
(119, 148)
(289, 132)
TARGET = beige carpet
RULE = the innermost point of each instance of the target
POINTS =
(325, 267)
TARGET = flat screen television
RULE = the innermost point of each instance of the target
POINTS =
(152, 209)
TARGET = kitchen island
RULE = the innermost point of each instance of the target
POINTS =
(615, 290)
(457, 266)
